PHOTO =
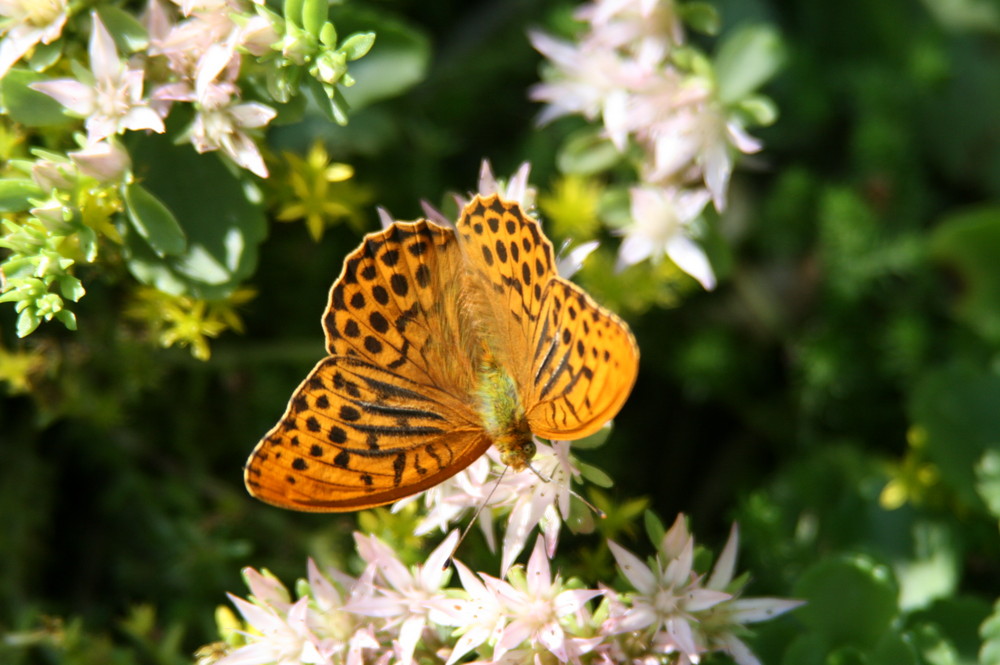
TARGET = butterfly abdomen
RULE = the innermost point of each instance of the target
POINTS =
(503, 417)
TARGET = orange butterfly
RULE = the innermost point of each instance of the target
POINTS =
(442, 343)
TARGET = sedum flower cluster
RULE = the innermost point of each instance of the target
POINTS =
(209, 73)
(676, 116)
(661, 610)
(392, 613)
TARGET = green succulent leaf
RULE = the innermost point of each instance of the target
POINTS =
(850, 600)
(16, 194)
(154, 221)
(30, 107)
(129, 34)
(211, 206)
(397, 60)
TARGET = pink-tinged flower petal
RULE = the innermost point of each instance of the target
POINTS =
(578, 646)
(374, 606)
(245, 153)
(742, 140)
(157, 23)
(718, 166)
(256, 616)
(257, 653)
(691, 258)
(434, 569)
(673, 149)
(678, 571)
(386, 220)
(634, 570)
(130, 83)
(53, 30)
(740, 652)
(550, 525)
(487, 181)
(676, 539)
(682, 635)
(257, 36)
(634, 249)
(409, 635)
(362, 639)
(567, 266)
(252, 115)
(722, 572)
(503, 591)
(467, 642)
(15, 44)
(174, 92)
(104, 61)
(514, 634)
(75, 96)
(616, 118)
(374, 551)
(552, 637)
(100, 126)
(297, 613)
(211, 64)
(564, 471)
(515, 537)
(571, 600)
(326, 595)
(539, 574)
(523, 518)
(635, 618)
(690, 203)
(557, 50)
(660, 216)
(518, 188)
(702, 599)
(470, 582)
(752, 610)
(142, 117)
(267, 590)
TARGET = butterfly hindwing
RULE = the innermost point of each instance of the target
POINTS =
(584, 364)
(355, 435)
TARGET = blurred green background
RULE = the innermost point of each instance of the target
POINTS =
(838, 394)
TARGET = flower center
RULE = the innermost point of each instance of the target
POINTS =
(666, 602)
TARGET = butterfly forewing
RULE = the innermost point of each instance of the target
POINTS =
(396, 304)
(508, 254)
(574, 361)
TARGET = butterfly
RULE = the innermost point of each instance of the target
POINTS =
(442, 343)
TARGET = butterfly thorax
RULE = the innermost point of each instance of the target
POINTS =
(502, 415)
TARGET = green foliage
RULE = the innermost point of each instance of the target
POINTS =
(196, 235)
(837, 395)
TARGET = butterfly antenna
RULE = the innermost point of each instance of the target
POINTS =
(538, 473)
(600, 513)
(468, 527)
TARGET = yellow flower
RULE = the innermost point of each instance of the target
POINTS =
(912, 477)
(572, 206)
(186, 321)
(17, 368)
(317, 199)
